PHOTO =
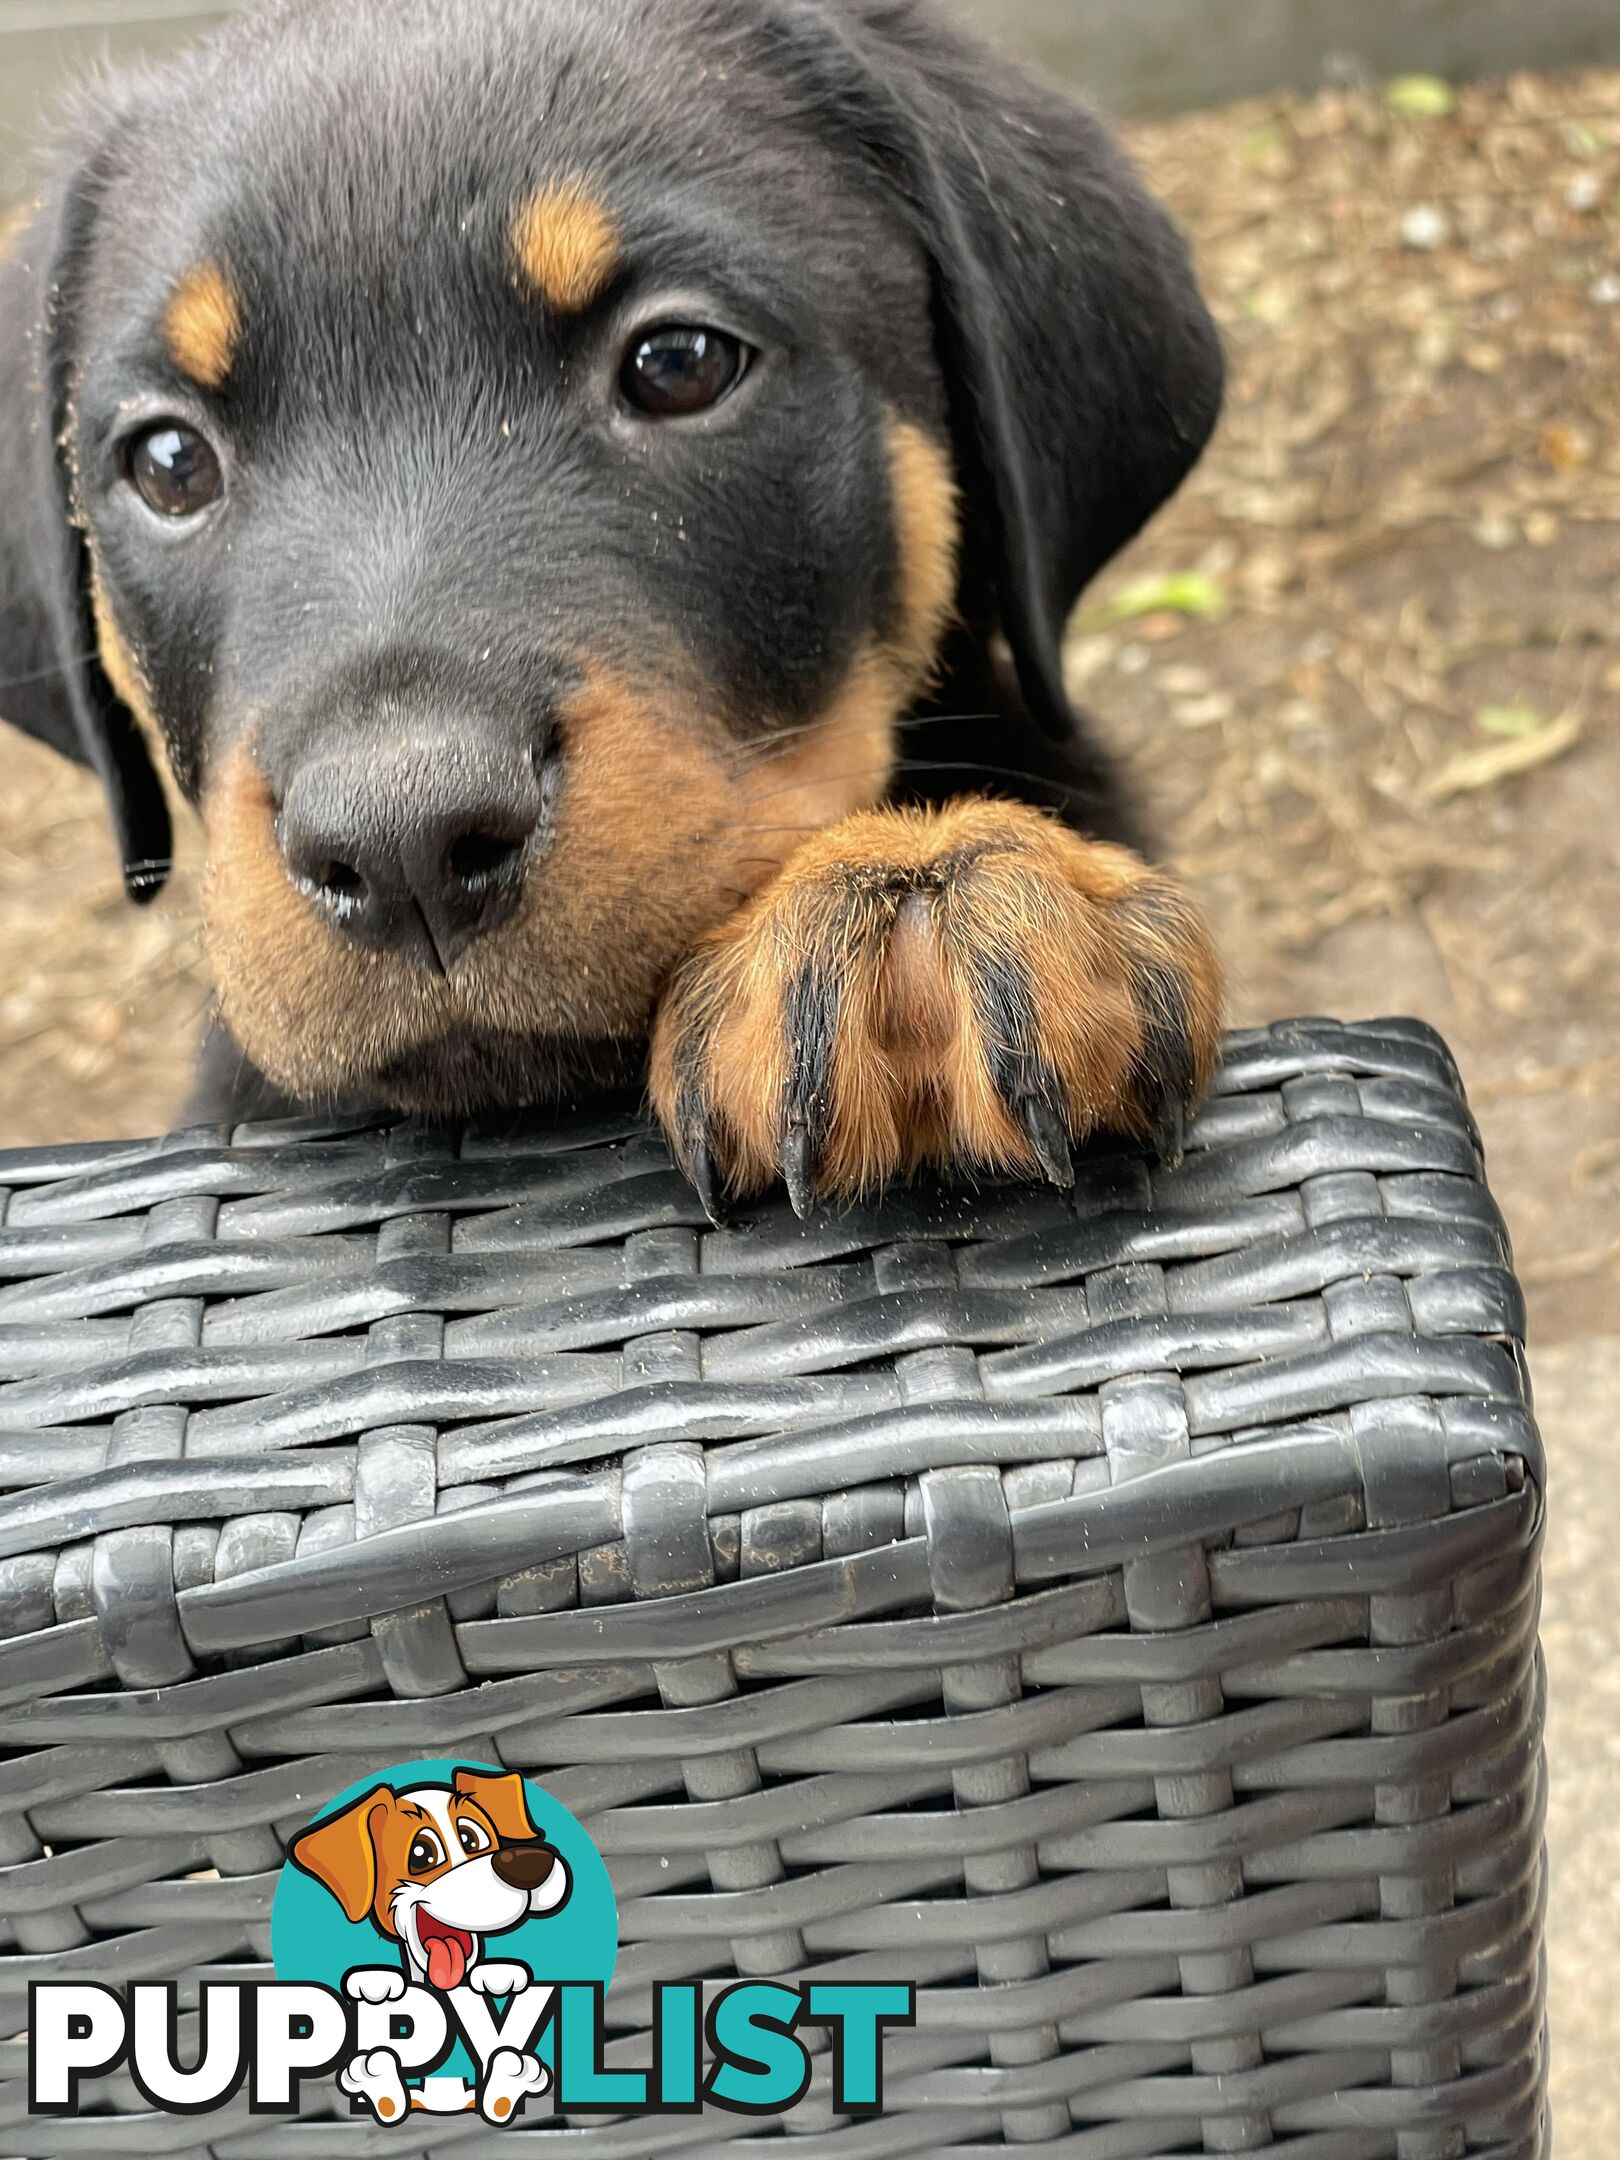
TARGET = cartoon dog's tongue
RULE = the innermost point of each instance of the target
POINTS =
(446, 1958)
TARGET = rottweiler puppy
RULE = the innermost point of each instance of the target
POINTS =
(582, 497)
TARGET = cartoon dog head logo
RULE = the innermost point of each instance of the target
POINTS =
(438, 1869)
(445, 1902)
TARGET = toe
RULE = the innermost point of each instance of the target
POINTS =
(1175, 988)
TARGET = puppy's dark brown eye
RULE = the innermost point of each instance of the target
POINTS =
(175, 471)
(682, 368)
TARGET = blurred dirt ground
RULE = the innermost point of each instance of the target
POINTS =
(1390, 756)
(1368, 667)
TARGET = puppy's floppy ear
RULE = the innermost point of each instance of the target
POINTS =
(52, 683)
(341, 1853)
(502, 1799)
(1083, 371)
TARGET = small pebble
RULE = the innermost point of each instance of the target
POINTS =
(1496, 533)
(1200, 712)
(1584, 192)
(1605, 291)
(1084, 656)
(1183, 681)
(1426, 227)
(1133, 659)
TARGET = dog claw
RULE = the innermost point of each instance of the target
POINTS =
(1047, 1135)
(799, 1170)
(701, 1171)
(1169, 1137)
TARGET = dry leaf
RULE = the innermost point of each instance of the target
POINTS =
(1471, 770)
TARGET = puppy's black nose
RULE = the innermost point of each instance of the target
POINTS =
(419, 845)
(523, 1867)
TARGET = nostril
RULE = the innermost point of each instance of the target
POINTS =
(479, 860)
(338, 883)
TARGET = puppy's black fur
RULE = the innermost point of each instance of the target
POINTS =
(437, 506)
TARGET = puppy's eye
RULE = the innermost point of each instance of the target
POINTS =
(426, 1852)
(173, 469)
(473, 1836)
(682, 368)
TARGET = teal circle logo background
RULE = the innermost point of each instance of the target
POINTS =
(312, 1939)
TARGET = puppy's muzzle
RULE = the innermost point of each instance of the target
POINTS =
(417, 843)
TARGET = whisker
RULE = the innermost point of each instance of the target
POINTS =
(807, 825)
(781, 740)
(46, 674)
(995, 772)
(795, 787)
(962, 765)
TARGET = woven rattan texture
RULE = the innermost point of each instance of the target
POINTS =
(1113, 1612)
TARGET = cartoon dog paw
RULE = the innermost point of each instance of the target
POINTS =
(375, 1984)
(494, 1977)
(376, 2079)
(510, 2080)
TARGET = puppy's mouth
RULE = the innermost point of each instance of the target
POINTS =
(447, 1950)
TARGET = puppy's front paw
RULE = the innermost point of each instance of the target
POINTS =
(375, 1984)
(975, 986)
(495, 1977)
(512, 2079)
(377, 2081)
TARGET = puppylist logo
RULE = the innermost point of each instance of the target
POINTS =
(443, 1941)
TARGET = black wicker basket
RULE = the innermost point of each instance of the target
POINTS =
(1113, 1612)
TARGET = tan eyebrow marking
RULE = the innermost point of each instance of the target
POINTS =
(567, 244)
(201, 325)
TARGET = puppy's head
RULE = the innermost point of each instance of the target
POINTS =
(437, 1868)
(516, 464)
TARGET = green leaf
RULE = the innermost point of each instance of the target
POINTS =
(1263, 142)
(1420, 97)
(1178, 592)
(1514, 721)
